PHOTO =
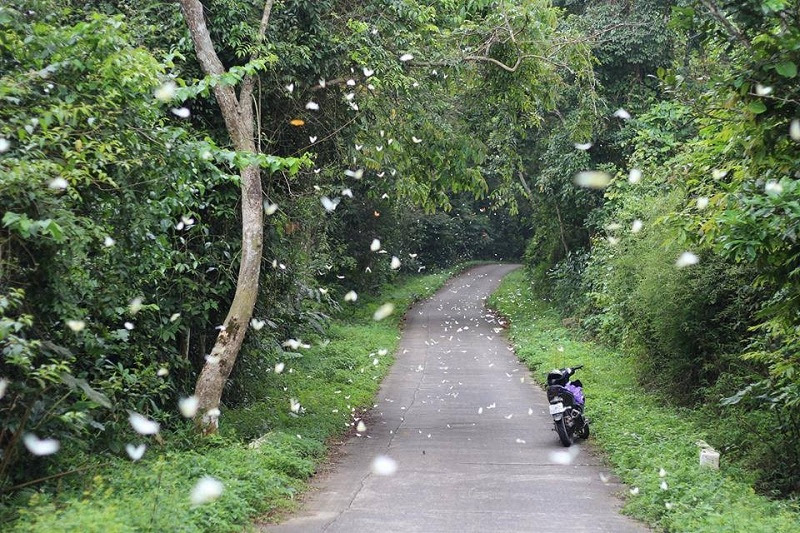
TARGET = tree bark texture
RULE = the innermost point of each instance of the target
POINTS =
(238, 116)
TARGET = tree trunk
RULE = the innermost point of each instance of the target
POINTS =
(218, 367)
(238, 116)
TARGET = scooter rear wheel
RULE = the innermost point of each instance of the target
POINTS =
(563, 434)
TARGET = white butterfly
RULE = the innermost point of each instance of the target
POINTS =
(383, 311)
(794, 130)
(206, 490)
(313, 106)
(368, 72)
(416, 141)
(294, 405)
(354, 173)
(406, 57)
(593, 179)
(763, 90)
(329, 204)
(312, 139)
(165, 93)
(38, 446)
(687, 259)
(135, 452)
(290, 87)
(142, 425)
(76, 325)
(621, 113)
(188, 406)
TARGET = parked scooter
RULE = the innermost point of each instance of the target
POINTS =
(566, 405)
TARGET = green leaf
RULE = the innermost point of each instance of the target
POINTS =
(94, 395)
(757, 107)
(787, 69)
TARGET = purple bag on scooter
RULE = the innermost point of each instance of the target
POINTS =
(576, 392)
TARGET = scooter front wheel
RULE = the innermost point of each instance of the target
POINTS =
(563, 434)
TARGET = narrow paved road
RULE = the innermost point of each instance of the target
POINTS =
(471, 436)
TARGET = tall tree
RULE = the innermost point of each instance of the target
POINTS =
(238, 114)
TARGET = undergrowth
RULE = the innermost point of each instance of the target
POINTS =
(641, 433)
(338, 376)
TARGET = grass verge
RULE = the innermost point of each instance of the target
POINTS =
(332, 380)
(639, 433)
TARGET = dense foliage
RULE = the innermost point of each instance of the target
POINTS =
(707, 165)
(428, 131)
(120, 191)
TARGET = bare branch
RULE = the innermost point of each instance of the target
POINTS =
(496, 62)
(249, 81)
(720, 17)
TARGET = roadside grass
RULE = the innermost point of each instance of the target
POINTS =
(639, 432)
(333, 381)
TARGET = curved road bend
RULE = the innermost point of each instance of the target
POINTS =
(460, 469)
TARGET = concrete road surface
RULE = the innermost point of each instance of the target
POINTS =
(471, 436)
